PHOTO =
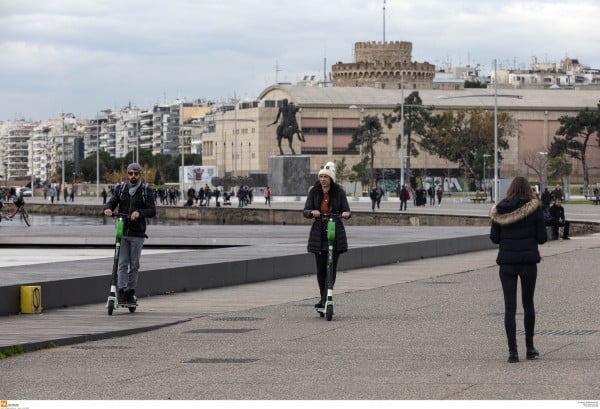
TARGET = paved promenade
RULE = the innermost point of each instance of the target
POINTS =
(423, 329)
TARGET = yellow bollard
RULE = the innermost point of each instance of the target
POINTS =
(31, 299)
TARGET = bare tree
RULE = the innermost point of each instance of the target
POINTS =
(538, 162)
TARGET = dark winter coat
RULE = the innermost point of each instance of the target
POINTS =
(557, 213)
(142, 201)
(518, 227)
(317, 239)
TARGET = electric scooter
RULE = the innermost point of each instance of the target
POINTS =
(327, 310)
(113, 300)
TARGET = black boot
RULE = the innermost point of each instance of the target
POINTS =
(121, 297)
(532, 353)
(321, 304)
(513, 354)
(130, 296)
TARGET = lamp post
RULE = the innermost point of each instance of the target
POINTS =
(545, 169)
(97, 157)
(402, 130)
(360, 156)
(62, 180)
(485, 155)
(181, 182)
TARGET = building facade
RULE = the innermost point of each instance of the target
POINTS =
(243, 139)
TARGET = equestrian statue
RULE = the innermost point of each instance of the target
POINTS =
(288, 126)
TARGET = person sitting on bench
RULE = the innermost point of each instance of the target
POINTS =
(557, 214)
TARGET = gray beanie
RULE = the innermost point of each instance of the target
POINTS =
(134, 166)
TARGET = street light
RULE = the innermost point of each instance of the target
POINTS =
(402, 130)
(545, 165)
(362, 115)
(485, 155)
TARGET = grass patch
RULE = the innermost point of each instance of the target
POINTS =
(11, 351)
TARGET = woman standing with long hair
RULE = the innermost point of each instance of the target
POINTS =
(518, 227)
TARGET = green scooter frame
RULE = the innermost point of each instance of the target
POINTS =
(113, 300)
(327, 310)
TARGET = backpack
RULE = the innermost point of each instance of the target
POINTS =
(122, 192)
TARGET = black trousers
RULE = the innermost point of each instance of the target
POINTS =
(509, 275)
(564, 224)
(321, 260)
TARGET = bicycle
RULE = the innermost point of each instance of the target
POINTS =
(20, 209)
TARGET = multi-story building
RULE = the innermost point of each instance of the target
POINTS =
(240, 141)
(568, 73)
(17, 150)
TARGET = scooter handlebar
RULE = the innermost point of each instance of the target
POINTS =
(335, 216)
(115, 214)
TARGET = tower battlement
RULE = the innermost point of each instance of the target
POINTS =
(383, 65)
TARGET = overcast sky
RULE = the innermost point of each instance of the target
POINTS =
(84, 56)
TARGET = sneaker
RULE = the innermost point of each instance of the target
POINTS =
(566, 238)
(319, 304)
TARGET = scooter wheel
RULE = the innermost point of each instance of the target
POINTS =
(132, 309)
(321, 314)
(111, 307)
(329, 312)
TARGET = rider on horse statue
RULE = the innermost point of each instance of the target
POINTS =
(288, 126)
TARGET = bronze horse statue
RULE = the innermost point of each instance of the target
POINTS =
(288, 126)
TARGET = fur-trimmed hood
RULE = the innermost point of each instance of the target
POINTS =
(506, 213)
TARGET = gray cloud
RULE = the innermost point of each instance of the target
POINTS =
(86, 56)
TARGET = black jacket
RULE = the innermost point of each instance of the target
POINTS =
(317, 239)
(518, 227)
(142, 201)
(557, 213)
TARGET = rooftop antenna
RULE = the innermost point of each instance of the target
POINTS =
(384, 21)
(325, 68)
(277, 72)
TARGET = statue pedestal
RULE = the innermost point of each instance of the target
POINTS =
(289, 175)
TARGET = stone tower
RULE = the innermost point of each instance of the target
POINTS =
(382, 65)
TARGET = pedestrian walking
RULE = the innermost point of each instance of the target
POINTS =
(404, 197)
(518, 227)
(268, 196)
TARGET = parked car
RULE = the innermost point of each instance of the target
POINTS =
(25, 192)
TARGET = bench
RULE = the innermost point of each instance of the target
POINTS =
(480, 197)
(595, 200)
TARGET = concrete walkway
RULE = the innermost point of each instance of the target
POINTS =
(425, 329)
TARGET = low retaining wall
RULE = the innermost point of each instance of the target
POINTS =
(239, 216)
